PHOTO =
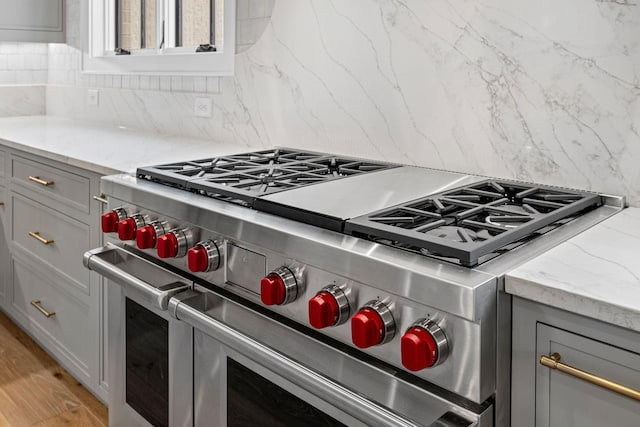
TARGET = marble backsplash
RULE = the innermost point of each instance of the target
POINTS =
(537, 91)
(22, 100)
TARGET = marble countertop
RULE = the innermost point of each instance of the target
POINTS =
(101, 148)
(596, 273)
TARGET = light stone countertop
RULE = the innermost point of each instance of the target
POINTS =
(101, 148)
(596, 273)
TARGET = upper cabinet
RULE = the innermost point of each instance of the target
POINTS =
(32, 21)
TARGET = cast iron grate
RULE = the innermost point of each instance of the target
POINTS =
(243, 177)
(471, 222)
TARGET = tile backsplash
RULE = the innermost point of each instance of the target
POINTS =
(23, 63)
(538, 91)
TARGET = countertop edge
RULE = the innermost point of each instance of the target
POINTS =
(573, 302)
(68, 160)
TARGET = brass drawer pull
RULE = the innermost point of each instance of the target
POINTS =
(41, 181)
(36, 235)
(47, 314)
(101, 198)
(1, 203)
(553, 362)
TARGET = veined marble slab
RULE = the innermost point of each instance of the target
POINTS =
(101, 148)
(596, 274)
(22, 100)
(540, 91)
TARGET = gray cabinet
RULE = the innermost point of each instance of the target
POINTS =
(546, 397)
(50, 219)
(32, 21)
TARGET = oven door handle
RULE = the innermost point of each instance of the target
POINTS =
(156, 284)
(317, 384)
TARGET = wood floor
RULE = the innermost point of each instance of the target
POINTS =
(36, 391)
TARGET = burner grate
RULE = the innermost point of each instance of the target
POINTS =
(243, 177)
(470, 222)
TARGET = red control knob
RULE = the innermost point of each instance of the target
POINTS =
(198, 259)
(272, 289)
(367, 328)
(167, 245)
(423, 345)
(110, 220)
(127, 229)
(278, 287)
(419, 349)
(323, 310)
(146, 237)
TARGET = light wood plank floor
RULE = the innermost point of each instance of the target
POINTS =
(36, 391)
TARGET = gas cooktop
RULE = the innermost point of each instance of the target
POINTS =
(244, 177)
(474, 221)
(464, 219)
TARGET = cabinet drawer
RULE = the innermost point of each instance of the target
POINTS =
(64, 188)
(68, 330)
(563, 399)
(54, 238)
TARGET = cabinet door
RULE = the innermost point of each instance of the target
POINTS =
(32, 20)
(564, 400)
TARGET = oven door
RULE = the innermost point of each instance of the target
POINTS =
(250, 369)
(149, 352)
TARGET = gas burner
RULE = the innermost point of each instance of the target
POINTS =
(458, 234)
(340, 167)
(469, 222)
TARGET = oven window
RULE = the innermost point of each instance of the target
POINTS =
(253, 400)
(147, 353)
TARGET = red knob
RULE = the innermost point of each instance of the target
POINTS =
(127, 229)
(146, 237)
(198, 259)
(367, 328)
(323, 310)
(419, 349)
(167, 245)
(110, 222)
(272, 289)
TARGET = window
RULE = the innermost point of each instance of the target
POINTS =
(192, 37)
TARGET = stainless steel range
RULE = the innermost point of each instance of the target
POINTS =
(295, 288)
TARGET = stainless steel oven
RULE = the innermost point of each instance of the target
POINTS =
(183, 355)
(149, 352)
(293, 288)
(251, 369)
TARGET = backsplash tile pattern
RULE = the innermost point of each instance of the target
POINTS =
(252, 18)
(23, 63)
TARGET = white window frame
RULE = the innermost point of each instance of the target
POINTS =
(165, 61)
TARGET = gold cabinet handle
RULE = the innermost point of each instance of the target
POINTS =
(47, 314)
(41, 181)
(101, 198)
(553, 361)
(1, 203)
(36, 235)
